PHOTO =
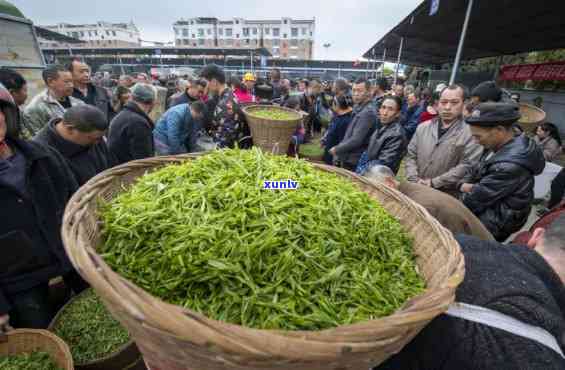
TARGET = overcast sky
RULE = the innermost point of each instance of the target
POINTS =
(351, 26)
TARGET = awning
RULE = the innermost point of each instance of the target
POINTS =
(554, 71)
(46, 34)
(497, 27)
(158, 51)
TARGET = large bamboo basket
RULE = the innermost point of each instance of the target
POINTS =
(30, 340)
(123, 358)
(532, 117)
(173, 338)
(271, 135)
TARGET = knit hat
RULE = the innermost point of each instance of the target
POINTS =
(143, 93)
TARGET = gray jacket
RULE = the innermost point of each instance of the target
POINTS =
(444, 160)
(42, 109)
(358, 135)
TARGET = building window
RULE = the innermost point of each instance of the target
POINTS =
(294, 32)
(185, 41)
(185, 32)
(176, 31)
(310, 33)
(276, 32)
(114, 33)
(200, 32)
(276, 43)
(245, 32)
(294, 43)
(89, 34)
(284, 36)
(304, 30)
(200, 42)
(267, 31)
(81, 34)
(75, 35)
(255, 31)
(220, 31)
(193, 36)
(229, 42)
(246, 41)
(191, 22)
(236, 22)
(229, 32)
(285, 21)
(107, 33)
(95, 33)
(237, 35)
(209, 31)
(178, 42)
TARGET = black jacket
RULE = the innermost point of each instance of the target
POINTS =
(335, 134)
(513, 280)
(388, 145)
(30, 236)
(503, 188)
(358, 134)
(85, 162)
(98, 97)
(131, 134)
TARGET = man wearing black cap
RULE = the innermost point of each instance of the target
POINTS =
(499, 189)
(486, 92)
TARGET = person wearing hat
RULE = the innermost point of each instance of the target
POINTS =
(35, 185)
(486, 91)
(499, 189)
(130, 135)
(245, 92)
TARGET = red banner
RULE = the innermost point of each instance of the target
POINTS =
(553, 71)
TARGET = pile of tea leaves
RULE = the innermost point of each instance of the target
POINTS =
(208, 236)
(275, 114)
(88, 328)
(28, 361)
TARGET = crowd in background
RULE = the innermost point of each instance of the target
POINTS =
(462, 153)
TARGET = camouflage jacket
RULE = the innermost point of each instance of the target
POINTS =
(42, 108)
(226, 122)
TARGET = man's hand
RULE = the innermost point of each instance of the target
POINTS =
(332, 151)
(466, 188)
(5, 324)
(425, 182)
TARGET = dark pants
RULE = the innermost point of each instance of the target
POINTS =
(557, 189)
(31, 308)
(34, 308)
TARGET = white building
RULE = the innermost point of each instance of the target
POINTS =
(284, 38)
(98, 35)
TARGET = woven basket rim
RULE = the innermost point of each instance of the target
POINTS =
(94, 269)
(61, 345)
(541, 115)
(248, 111)
(57, 317)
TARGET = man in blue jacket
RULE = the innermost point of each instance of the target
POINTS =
(176, 131)
(412, 115)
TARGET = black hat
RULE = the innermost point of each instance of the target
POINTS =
(494, 114)
(487, 91)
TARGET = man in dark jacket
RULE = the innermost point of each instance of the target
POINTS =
(35, 185)
(194, 92)
(79, 137)
(499, 189)
(360, 129)
(131, 133)
(388, 143)
(524, 285)
(86, 91)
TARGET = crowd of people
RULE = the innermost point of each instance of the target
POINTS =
(464, 158)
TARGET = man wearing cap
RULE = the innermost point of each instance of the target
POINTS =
(131, 132)
(486, 92)
(499, 189)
